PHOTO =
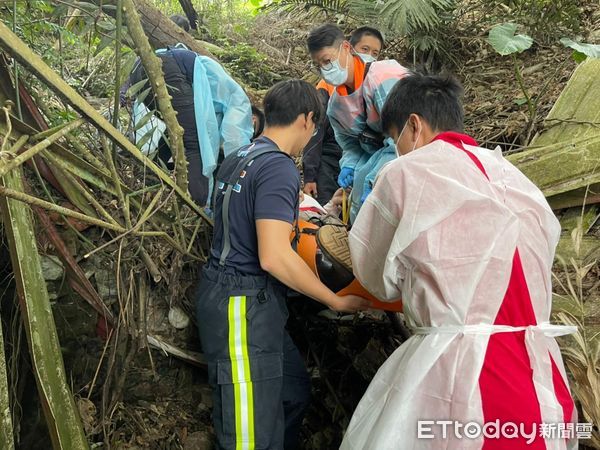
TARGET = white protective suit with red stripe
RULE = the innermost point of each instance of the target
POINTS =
(468, 242)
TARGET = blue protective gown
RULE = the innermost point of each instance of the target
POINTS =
(351, 114)
(222, 109)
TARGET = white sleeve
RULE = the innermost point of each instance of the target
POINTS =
(371, 238)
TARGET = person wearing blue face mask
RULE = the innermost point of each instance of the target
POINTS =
(321, 157)
(353, 110)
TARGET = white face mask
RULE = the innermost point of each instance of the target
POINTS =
(336, 75)
(398, 154)
(367, 57)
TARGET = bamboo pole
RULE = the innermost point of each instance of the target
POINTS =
(153, 66)
(26, 198)
(6, 427)
(62, 418)
(20, 51)
(37, 148)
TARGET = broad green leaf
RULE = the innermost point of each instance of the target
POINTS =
(86, 6)
(520, 101)
(589, 50)
(104, 43)
(578, 57)
(504, 40)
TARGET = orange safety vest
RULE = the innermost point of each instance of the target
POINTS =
(359, 76)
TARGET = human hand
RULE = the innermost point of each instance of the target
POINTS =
(310, 188)
(338, 198)
(349, 303)
(346, 177)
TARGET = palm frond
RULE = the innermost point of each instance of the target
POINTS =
(310, 7)
(402, 16)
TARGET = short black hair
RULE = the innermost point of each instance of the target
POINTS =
(288, 99)
(358, 34)
(327, 35)
(436, 98)
(256, 111)
(181, 21)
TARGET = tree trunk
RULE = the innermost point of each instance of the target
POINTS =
(161, 31)
(190, 13)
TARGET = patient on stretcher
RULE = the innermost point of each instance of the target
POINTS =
(322, 242)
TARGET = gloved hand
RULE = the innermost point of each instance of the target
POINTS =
(346, 177)
(366, 192)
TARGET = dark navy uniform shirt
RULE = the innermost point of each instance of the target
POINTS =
(269, 190)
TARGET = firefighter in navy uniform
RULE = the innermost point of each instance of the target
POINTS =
(260, 384)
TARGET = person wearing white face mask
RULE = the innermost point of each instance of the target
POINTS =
(367, 42)
(321, 157)
(467, 242)
(354, 107)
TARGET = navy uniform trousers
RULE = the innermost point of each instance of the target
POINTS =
(260, 385)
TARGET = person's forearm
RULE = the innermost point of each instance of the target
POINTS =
(291, 270)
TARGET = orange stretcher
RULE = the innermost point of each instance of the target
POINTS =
(329, 259)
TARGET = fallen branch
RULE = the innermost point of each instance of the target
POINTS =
(192, 357)
(62, 418)
(6, 425)
(153, 67)
(20, 51)
(5, 167)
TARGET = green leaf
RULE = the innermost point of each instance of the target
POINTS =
(145, 138)
(520, 101)
(104, 43)
(578, 57)
(585, 50)
(402, 16)
(135, 88)
(504, 40)
(143, 95)
(144, 120)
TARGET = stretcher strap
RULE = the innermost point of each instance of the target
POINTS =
(345, 207)
(546, 328)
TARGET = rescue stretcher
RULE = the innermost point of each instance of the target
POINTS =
(322, 242)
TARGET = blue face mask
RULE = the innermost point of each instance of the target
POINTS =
(335, 75)
(366, 57)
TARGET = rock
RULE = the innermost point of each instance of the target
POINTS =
(178, 318)
(87, 411)
(206, 395)
(200, 440)
(52, 268)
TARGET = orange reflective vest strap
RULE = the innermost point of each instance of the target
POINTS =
(326, 87)
(359, 76)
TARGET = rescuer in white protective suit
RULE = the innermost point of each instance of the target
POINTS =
(467, 242)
